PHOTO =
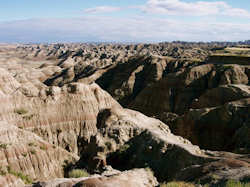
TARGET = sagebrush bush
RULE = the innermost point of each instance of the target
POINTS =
(3, 145)
(229, 183)
(77, 173)
(33, 151)
(232, 183)
(177, 184)
(21, 111)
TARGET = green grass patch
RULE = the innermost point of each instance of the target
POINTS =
(3, 146)
(123, 148)
(31, 144)
(21, 111)
(43, 148)
(233, 183)
(229, 183)
(177, 184)
(33, 151)
(25, 178)
(2, 172)
(77, 173)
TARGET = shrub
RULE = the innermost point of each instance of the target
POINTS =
(2, 172)
(233, 183)
(26, 179)
(77, 173)
(43, 148)
(33, 151)
(124, 148)
(3, 146)
(177, 184)
(21, 111)
(31, 144)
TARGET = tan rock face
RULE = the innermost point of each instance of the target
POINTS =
(201, 87)
(127, 139)
(125, 81)
(234, 75)
(216, 128)
(235, 167)
(122, 80)
(11, 181)
(60, 116)
(136, 177)
(177, 91)
(174, 92)
(8, 85)
(29, 155)
(63, 116)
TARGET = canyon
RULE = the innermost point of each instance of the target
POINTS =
(127, 115)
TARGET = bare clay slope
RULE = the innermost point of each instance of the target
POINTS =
(70, 122)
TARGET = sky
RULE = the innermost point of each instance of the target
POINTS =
(53, 21)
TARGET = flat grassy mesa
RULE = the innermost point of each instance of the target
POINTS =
(231, 55)
(237, 50)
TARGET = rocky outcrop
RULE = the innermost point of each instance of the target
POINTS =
(177, 91)
(8, 84)
(64, 77)
(27, 156)
(104, 54)
(233, 74)
(11, 181)
(127, 139)
(64, 117)
(24, 76)
(220, 95)
(202, 87)
(224, 127)
(124, 81)
(232, 166)
(136, 177)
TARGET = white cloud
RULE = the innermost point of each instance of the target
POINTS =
(198, 8)
(134, 29)
(238, 12)
(102, 9)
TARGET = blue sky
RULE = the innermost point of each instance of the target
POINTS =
(27, 21)
(25, 9)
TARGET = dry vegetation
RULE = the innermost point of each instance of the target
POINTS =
(78, 173)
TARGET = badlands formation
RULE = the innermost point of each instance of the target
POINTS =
(114, 115)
